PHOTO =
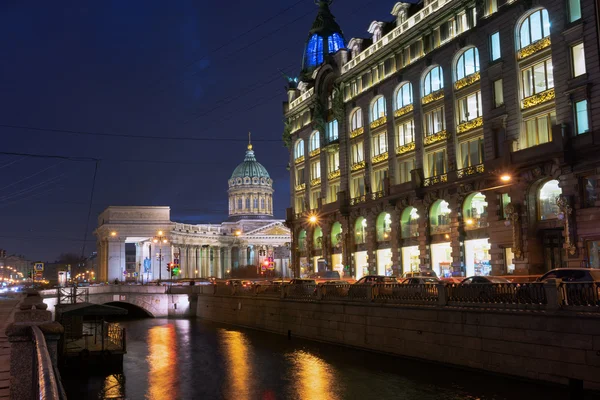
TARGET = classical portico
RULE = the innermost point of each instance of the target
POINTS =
(137, 243)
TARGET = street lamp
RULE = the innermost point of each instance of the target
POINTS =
(160, 239)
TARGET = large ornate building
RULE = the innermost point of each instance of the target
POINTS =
(461, 136)
(137, 243)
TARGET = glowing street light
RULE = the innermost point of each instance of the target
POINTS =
(313, 219)
(505, 178)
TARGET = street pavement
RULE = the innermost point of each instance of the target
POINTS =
(7, 309)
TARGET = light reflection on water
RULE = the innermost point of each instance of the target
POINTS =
(193, 359)
(162, 361)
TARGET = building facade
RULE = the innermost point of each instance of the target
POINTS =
(138, 243)
(461, 137)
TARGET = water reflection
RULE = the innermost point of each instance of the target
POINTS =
(313, 377)
(239, 369)
(114, 387)
(163, 382)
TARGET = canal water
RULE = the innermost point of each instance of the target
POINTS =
(194, 359)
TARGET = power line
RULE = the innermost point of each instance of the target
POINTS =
(31, 176)
(87, 222)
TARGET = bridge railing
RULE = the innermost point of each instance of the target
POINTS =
(528, 295)
(46, 379)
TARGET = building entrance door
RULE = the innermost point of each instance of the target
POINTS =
(552, 240)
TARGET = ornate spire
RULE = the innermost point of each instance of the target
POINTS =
(249, 140)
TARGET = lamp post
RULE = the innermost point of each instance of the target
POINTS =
(160, 239)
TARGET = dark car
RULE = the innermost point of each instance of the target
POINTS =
(420, 273)
(483, 279)
(302, 281)
(488, 289)
(376, 279)
(421, 280)
(326, 275)
(572, 275)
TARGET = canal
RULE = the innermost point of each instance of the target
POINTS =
(195, 359)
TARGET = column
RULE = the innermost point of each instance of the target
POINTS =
(102, 261)
(139, 259)
(458, 264)
(116, 259)
(227, 264)
(191, 271)
(182, 249)
(217, 262)
(395, 235)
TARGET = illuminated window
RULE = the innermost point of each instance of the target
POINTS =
(335, 42)
(581, 117)
(379, 144)
(360, 230)
(495, 46)
(578, 59)
(433, 81)
(299, 176)
(471, 152)
(383, 226)
(439, 217)
(404, 168)
(574, 10)
(548, 194)
(314, 51)
(315, 170)
(410, 223)
(537, 78)
(469, 107)
(434, 121)
(333, 161)
(379, 179)
(378, 109)
(357, 152)
(334, 189)
(538, 130)
(314, 141)
(357, 186)
(404, 96)
(331, 130)
(468, 63)
(299, 149)
(498, 93)
(356, 120)
(405, 132)
(535, 27)
(475, 211)
(435, 163)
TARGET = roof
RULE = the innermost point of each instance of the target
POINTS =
(250, 167)
(86, 309)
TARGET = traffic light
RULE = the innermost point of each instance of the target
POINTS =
(169, 267)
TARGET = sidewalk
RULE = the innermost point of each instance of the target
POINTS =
(7, 309)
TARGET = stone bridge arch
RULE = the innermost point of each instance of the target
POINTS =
(154, 304)
(133, 310)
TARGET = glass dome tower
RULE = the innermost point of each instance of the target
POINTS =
(324, 38)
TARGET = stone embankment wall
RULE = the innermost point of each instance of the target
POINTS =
(540, 345)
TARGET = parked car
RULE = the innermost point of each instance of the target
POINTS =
(484, 279)
(453, 280)
(302, 281)
(376, 279)
(582, 285)
(335, 287)
(325, 275)
(572, 275)
(421, 280)
(485, 289)
(420, 273)
(234, 282)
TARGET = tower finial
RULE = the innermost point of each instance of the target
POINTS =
(249, 140)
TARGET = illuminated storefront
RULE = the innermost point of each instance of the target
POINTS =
(384, 262)
(441, 259)
(360, 262)
(410, 259)
(477, 257)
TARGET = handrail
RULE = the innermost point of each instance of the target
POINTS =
(47, 385)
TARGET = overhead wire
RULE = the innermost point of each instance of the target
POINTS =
(31, 176)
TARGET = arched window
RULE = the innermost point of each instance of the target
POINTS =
(314, 51)
(404, 95)
(433, 81)
(410, 223)
(356, 120)
(533, 28)
(331, 131)
(302, 240)
(299, 149)
(383, 227)
(475, 211)
(378, 109)
(247, 204)
(439, 217)
(318, 238)
(360, 230)
(314, 142)
(547, 196)
(336, 234)
(468, 63)
(335, 43)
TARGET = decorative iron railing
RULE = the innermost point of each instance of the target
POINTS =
(533, 48)
(358, 200)
(472, 170)
(434, 180)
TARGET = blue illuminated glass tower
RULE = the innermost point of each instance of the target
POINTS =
(324, 38)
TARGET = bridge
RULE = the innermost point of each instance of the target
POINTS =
(152, 301)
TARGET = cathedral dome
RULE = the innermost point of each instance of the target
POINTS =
(250, 190)
(250, 167)
(324, 38)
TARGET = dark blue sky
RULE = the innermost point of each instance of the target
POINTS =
(155, 68)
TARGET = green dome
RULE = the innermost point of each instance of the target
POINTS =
(250, 168)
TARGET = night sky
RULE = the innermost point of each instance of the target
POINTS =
(186, 68)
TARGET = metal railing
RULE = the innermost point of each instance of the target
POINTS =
(526, 295)
(498, 293)
(46, 378)
(579, 294)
